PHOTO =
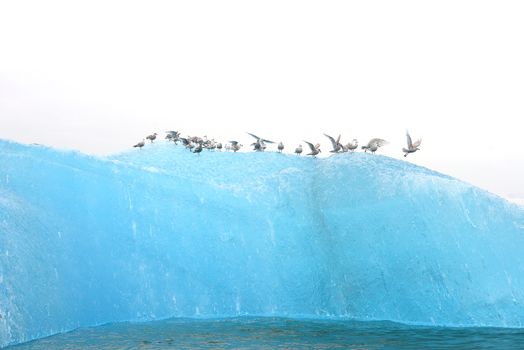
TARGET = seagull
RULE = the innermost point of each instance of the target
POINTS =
(351, 146)
(173, 135)
(314, 149)
(412, 147)
(219, 146)
(187, 143)
(140, 144)
(198, 148)
(298, 150)
(337, 147)
(280, 146)
(152, 137)
(374, 144)
(260, 145)
(235, 146)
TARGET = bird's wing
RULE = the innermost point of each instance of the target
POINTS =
(264, 140)
(310, 145)
(333, 142)
(233, 142)
(417, 143)
(378, 142)
(410, 144)
(255, 136)
(338, 139)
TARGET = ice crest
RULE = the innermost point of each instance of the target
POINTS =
(350, 236)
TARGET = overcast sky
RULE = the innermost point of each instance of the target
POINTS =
(98, 76)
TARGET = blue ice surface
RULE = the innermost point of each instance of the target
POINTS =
(160, 232)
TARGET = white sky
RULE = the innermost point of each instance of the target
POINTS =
(100, 75)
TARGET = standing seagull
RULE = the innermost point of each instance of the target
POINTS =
(235, 146)
(140, 144)
(298, 150)
(336, 144)
(351, 146)
(198, 148)
(280, 146)
(314, 149)
(374, 144)
(173, 136)
(151, 137)
(259, 145)
(187, 143)
(412, 147)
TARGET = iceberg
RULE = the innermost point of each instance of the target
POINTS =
(160, 232)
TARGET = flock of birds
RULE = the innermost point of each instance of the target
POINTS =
(196, 144)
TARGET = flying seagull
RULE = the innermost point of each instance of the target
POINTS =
(412, 147)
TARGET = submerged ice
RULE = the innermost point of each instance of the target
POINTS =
(160, 232)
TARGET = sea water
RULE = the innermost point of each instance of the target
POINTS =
(276, 333)
(160, 232)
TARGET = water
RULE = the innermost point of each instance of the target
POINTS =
(276, 333)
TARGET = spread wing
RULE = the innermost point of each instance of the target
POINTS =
(333, 142)
(417, 143)
(378, 142)
(255, 136)
(267, 141)
(310, 145)
(410, 144)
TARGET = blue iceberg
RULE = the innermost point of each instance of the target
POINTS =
(160, 232)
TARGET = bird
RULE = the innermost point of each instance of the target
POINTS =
(374, 144)
(172, 136)
(140, 144)
(198, 148)
(337, 147)
(412, 147)
(280, 146)
(187, 143)
(151, 137)
(219, 146)
(314, 149)
(260, 144)
(298, 150)
(235, 146)
(351, 146)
